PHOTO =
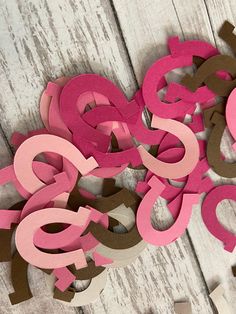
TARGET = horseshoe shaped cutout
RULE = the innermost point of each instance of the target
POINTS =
(221, 167)
(37, 144)
(27, 228)
(92, 83)
(86, 296)
(191, 146)
(226, 33)
(145, 228)
(152, 80)
(103, 204)
(116, 240)
(19, 278)
(206, 74)
(212, 199)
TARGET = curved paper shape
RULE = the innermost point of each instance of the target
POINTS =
(35, 145)
(186, 164)
(206, 74)
(221, 167)
(42, 197)
(19, 279)
(103, 204)
(230, 113)
(145, 228)
(212, 199)
(26, 231)
(86, 296)
(226, 33)
(151, 81)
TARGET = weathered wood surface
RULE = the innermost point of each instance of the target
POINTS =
(42, 40)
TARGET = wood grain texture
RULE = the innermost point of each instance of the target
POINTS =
(41, 40)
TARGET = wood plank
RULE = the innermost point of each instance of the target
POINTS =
(152, 22)
(41, 41)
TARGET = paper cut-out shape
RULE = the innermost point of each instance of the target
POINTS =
(183, 308)
(212, 199)
(41, 143)
(226, 33)
(206, 74)
(19, 278)
(26, 230)
(145, 228)
(234, 270)
(219, 301)
(186, 164)
(230, 114)
(215, 160)
(86, 296)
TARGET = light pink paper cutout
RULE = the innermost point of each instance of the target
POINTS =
(186, 164)
(27, 228)
(40, 143)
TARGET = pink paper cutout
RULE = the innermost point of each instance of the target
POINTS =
(145, 228)
(42, 197)
(101, 260)
(230, 114)
(65, 278)
(212, 199)
(70, 238)
(28, 226)
(151, 81)
(40, 143)
(186, 164)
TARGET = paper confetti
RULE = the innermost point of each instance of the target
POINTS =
(92, 129)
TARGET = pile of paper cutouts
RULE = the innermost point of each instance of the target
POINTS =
(91, 128)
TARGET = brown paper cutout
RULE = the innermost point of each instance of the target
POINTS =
(19, 278)
(208, 113)
(226, 33)
(183, 308)
(103, 204)
(117, 240)
(234, 270)
(224, 169)
(5, 245)
(109, 187)
(6, 235)
(65, 296)
(206, 74)
(86, 273)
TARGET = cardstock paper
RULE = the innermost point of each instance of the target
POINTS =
(29, 225)
(209, 216)
(214, 156)
(145, 228)
(226, 33)
(186, 164)
(35, 145)
(219, 301)
(206, 74)
(19, 279)
(183, 308)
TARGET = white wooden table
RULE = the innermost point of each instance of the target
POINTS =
(41, 40)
